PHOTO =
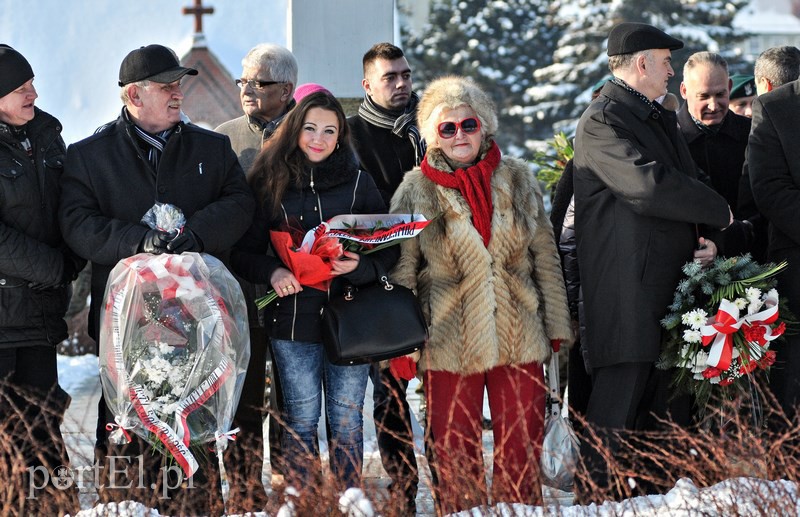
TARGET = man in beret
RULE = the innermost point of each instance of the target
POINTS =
(743, 91)
(640, 214)
(147, 155)
(36, 268)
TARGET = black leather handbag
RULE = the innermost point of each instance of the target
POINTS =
(372, 323)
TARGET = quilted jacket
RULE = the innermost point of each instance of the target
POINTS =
(31, 247)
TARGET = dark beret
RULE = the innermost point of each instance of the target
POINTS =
(743, 86)
(630, 37)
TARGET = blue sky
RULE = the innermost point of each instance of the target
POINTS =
(76, 47)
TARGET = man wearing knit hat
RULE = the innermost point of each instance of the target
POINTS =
(112, 178)
(266, 86)
(638, 205)
(36, 268)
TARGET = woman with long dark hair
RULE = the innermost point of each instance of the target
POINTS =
(307, 174)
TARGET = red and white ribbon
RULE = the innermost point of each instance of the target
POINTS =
(765, 319)
(719, 334)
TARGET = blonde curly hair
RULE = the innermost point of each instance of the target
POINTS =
(450, 92)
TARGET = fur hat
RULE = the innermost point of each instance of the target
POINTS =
(451, 92)
(14, 70)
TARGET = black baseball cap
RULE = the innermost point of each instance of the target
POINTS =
(630, 37)
(154, 63)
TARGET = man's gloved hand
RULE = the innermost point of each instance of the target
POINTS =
(185, 241)
(155, 242)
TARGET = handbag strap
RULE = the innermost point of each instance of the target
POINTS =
(553, 382)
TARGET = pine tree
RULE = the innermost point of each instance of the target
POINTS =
(499, 43)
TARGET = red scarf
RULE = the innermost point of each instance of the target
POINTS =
(475, 184)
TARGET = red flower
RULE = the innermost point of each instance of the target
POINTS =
(768, 359)
(311, 269)
(711, 372)
(754, 334)
(748, 367)
(779, 330)
(726, 382)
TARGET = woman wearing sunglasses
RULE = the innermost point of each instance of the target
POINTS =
(488, 275)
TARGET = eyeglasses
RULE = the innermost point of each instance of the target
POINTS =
(468, 125)
(255, 83)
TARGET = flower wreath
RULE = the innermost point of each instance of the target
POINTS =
(720, 326)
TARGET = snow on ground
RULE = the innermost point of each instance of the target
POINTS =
(740, 496)
(76, 370)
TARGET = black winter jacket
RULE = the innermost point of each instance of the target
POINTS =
(109, 185)
(32, 250)
(386, 156)
(339, 187)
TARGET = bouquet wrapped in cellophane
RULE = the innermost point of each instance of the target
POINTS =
(173, 354)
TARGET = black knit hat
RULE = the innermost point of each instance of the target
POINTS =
(630, 37)
(155, 63)
(14, 70)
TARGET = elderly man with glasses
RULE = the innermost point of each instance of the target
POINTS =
(269, 75)
(266, 87)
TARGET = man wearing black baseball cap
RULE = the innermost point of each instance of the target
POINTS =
(36, 268)
(111, 179)
(638, 206)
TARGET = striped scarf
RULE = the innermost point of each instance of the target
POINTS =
(154, 143)
(402, 126)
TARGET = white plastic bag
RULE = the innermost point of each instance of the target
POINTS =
(561, 448)
(174, 348)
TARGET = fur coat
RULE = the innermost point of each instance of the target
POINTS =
(486, 306)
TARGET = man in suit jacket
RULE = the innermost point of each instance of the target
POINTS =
(774, 160)
(638, 207)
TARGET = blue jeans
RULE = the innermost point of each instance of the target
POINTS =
(303, 369)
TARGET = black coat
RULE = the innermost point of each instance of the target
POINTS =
(386, 156)
(32, 250)
(339, 188)
(721, 156)
(638, 203)
(774, 160)
(108, 185)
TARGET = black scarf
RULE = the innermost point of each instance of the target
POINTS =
(402, 124)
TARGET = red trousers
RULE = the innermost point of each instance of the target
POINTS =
(455, 408)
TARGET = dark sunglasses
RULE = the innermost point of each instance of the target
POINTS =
(468, 125)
